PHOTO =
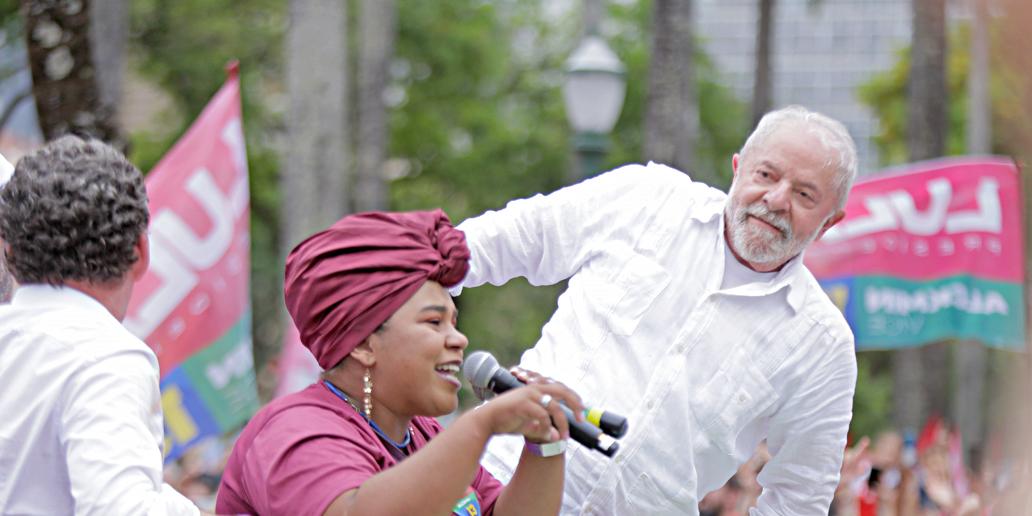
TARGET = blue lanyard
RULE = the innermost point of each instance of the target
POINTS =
(376, 428)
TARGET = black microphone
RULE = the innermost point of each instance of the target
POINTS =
(484, 373)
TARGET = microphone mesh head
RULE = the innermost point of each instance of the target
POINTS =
(478, 368)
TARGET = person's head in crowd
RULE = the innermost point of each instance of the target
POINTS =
(791, 180)
(6, 281)
(369, 300)
(74, 213)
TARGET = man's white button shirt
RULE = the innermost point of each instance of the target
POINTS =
(81, 431)
(644, 329)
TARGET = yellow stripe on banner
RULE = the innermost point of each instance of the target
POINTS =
(178, 420)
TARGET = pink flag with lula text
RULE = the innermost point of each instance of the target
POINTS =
(193, 306)
(929, 251)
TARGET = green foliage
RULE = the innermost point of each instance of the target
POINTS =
(9, 14)
(475, 118)
(886, 95)
(12, 33)
(481, 122)
(872, 404)
(184, 46)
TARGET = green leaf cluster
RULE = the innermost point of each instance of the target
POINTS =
(886, 95)
(184, 47)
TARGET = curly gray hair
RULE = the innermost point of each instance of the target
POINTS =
(73, 210)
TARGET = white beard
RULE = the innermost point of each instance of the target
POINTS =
(760, 246)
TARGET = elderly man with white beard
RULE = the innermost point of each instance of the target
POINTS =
(690, 311)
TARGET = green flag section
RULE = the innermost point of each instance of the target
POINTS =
(887, 312)
(212, 392)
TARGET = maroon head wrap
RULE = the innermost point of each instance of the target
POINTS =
(344, 282)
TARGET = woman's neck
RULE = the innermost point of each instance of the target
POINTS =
(394, 426)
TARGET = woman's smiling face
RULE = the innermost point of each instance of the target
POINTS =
(418, 355)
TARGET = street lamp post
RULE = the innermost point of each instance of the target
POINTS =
(593, 94)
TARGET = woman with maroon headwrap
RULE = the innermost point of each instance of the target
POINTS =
(369, 300)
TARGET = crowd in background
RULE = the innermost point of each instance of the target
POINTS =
(897, 475)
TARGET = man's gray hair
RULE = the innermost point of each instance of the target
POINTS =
(831, 133)
(73, 210)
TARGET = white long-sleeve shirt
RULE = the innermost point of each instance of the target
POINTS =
(81, 425)
(644, 329)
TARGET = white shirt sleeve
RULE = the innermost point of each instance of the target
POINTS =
(6, 169)
(546, 238)
(807, 440)
(111, 431)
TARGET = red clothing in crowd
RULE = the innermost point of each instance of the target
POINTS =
(303, 450)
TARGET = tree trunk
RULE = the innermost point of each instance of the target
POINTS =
(313, 175)
(377, 26)
(926, 87)
(971, 357)
(671, 113)
(592, 17)
(908, 381)
(65, 80)
(762, 83)
(926, 138)
(109, 30)
(314, 172)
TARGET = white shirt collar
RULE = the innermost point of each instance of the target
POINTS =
(791, 276)
(39, 295)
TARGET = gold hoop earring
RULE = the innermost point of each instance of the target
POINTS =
(367, 394)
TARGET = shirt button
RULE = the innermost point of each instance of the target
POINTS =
(649, 404)
(741, 398)
(680, 348)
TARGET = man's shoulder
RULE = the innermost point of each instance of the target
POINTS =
(653, 183)
(81, 335)
(653, 173)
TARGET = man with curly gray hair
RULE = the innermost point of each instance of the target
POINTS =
(82, 427)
